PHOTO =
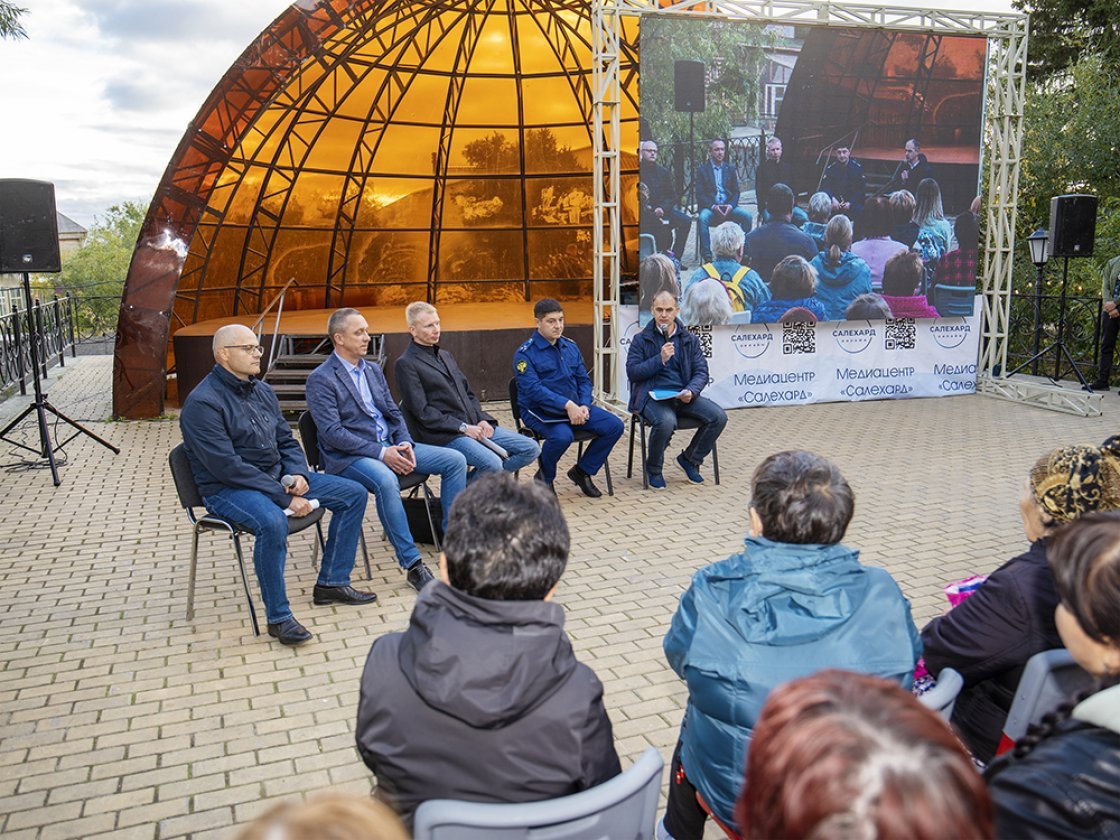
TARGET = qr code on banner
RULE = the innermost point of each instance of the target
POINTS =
(798, 337)
(704, 333)
(900, 334)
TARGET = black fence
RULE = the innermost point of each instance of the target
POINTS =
(1082, 334)
(55, 328)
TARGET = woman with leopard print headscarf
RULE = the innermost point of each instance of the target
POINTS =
(990, 636)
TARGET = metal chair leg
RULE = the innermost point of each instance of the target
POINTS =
(245, 582)
(190, 581)
(630, 457)
(715, 463)
(642, 434)
(365, 551)
(431, 522)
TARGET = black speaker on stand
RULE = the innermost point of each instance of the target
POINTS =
(688, 96)
(1073, 231)
(29, 242)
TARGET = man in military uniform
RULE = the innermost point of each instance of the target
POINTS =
(1110, 321)
(845, 183)
(554, 396)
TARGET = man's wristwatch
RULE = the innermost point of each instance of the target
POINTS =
(462, 428)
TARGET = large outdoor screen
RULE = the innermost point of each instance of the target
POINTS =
(809, 173)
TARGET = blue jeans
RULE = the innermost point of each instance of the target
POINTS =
(522, 452)
(661, 416)
(258, 514)
(559, 436)
(385, 485)
(737, 214)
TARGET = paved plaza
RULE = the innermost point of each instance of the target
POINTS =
(119, 718)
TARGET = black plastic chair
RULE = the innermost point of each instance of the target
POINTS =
(414, 481)
(683, 424)
(580, 436)
(190, 498)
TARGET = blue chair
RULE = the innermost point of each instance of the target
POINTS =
(622, 808)
(942, 697)
(950, 301)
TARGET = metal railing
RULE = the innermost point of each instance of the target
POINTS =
(681, 159)
(1082, 334)
(55, 332)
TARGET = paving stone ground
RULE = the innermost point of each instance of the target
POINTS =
(119, 718)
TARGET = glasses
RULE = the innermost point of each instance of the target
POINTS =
(246, 348)
(650, 151)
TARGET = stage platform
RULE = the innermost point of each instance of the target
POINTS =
(481, 336)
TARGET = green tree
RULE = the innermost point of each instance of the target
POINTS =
(10, 25)
(1064, 30)
(95, 273)
(732, 52)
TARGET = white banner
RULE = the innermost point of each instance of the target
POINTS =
(835, 361)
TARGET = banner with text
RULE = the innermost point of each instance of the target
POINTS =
(836, 361)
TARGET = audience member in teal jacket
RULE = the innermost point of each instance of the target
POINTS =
(841, 275)
(793, 602)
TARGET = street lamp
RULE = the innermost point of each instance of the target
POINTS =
(1038, 242)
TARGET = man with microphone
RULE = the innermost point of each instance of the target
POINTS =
(667, 372)
(252, 472)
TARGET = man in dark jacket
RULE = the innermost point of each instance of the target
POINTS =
(779, 238)
(845, 184)
(240, 447)
(481, 698)
(440, 407)
(663, 196)
(665, 358)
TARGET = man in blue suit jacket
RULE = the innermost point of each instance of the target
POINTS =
(717, 196)
(363, 436)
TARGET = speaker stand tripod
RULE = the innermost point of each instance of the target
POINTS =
(40, 405)
(1059, 343)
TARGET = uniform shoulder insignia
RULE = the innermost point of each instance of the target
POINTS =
(522, 366)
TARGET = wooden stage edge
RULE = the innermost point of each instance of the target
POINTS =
(482, 336)
(388, 320)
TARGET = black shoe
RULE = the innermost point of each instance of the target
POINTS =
(346, 594)
(1098, 386)
(289, 632)
(419, 575)
(583, 481)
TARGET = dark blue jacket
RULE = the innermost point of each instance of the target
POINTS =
(347, 431)
(235, 436)
(643, 362)
(548, 375)
(706, 184)
(846, 183)
(768, 245)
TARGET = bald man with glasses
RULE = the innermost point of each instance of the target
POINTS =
(240, 447)
(661, 208)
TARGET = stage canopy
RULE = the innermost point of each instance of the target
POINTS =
(375, 153)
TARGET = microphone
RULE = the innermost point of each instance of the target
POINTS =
(664, 330)
(287, 481)
(314, 506)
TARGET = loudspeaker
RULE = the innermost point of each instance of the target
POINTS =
(1073, 225)
(28, 227)
(688, 86)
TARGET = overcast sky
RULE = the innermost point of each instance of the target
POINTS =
(97, 98)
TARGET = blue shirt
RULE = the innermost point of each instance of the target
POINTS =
(721, 194)
(358, 372)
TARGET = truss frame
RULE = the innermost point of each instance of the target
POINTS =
(1006, 35)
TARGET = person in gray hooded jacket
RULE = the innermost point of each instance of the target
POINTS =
(481, 698)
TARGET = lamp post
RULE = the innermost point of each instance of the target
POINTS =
(1038, 242)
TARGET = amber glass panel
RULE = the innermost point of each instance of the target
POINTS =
(302, 254)
(537, 52)
(559, 201)
(357, 98)
(244, 199)
(396, 203)
(407, 150)
(488, 102)
(494, 51)
(335, 146)
(423, 100)
(270, 128)
(550, 100)
(557, 254)
(483, 202)
(565, 149)
(485, 151)
(314, 200)
(388, 259)
(480, 255)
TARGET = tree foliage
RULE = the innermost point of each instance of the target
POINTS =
(95, 273)
(10, 25)
(1064, 30)
(732, 52)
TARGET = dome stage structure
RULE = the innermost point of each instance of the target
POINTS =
(376, 153)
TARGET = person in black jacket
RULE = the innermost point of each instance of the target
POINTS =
(481, 698)
(662, 206)
(442, 410)
(1061, 780)
(990, 636)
